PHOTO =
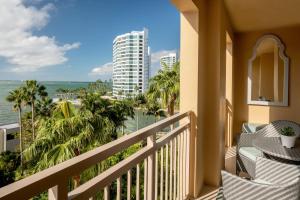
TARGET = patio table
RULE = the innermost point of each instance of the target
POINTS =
(272, 148)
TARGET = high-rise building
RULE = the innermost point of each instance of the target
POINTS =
(169, 60)
(131, 63)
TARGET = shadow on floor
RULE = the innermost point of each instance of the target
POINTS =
(212, 193)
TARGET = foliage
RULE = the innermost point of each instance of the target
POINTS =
(140, 100)
(68, 133)
(9, 162)
(31, 89)
(116, 111)
(288, 131)
(155, 109)
(17, 97)
(164, 88)
(44, 107)
(64, 131)
(100, 87)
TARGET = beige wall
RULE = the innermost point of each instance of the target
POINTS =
(202, 87)
(243, 45)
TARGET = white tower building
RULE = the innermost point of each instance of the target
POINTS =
(169, 60)
(131, 63)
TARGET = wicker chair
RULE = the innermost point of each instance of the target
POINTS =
(247, 154)
(273, 180)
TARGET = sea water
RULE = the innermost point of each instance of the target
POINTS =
(7, 115)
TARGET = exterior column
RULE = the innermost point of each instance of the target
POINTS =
(202, 87)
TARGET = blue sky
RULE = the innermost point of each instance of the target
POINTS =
(67, 39)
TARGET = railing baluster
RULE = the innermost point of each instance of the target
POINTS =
(181, 166)
(137, 182)
(179, 170)
(156, 175)
(175, 168)
(171, 169)
(106, 193)
(162, 173)
(151, 140)
(119, 188)
(188, 146)
(128, 184)
(167, 172)
(59, 192)
(145, 178)
(183, 163)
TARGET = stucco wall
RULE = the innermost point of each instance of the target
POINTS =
(202, 86)
(243, 45)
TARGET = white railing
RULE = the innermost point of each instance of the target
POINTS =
(162, 166)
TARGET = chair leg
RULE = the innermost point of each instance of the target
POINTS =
(238, 166)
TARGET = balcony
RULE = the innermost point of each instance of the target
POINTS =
(161, 168)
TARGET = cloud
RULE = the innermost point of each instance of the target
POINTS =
(19, 47)
(105, 69)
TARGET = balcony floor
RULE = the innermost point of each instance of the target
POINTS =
(212, 193)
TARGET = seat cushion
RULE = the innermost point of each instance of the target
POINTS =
(260, 181)
(252, 127)
(250, 152)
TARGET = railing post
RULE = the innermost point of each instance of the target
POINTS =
(59, 192)
(151, 140)
(191, 156)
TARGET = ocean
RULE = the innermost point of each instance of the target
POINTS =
(7, 115)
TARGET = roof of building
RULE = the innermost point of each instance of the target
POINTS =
(9, 126)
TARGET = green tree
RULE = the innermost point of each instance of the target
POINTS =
(139, 103)
(116, 111)
(17, 98)
(66, 134)
(164, 88)
(100, 87)
(33, 88)
(44, 107)
(155, 110)
(136, 89)
(9, 162)
(70, 131)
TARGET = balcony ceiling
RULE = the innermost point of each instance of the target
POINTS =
(253, 15)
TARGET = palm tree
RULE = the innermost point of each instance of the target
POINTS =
(164, 88)
(155, 110)
(66, 134)
(116, 111)
(70, 132)
(33, 89)
(139, 102)
(17, 98)
(136, 89)
(44, 107)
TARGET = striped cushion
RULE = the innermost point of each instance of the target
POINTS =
(250, 152)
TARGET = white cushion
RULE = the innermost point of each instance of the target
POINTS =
(250, 152)
(260, 181)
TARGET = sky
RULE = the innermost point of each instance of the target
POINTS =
(71, 40)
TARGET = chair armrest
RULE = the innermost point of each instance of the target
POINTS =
(246, 139)
(276, 172)
(236, 188)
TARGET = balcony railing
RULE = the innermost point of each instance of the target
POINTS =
(165, 162)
